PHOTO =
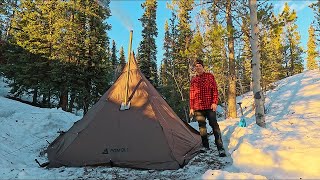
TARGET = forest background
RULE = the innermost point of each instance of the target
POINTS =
(64, 54)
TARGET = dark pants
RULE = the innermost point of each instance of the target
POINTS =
(201, 116)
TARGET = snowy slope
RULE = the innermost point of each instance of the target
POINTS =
(287, 148)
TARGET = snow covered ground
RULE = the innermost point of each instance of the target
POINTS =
(287, 148)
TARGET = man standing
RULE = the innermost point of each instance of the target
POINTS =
(203, 104)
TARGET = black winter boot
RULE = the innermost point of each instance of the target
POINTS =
(205, 142)
(222, 152)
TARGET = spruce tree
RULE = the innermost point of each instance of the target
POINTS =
(147, 48)
(170, 84)
(312, 53)
(122, 59)
(97, 66)
(182, 60)
(33, 32)
(197, 45)
(75, 61)
(7, 12)
(114, 59)
(214, 47)
(168, 87)
(271, 48)
(316, 9)
(293, 61)
(163, 80)
(244, 69)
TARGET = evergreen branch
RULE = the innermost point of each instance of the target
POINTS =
(222, 9)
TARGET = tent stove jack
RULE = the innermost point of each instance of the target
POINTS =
(126, 105)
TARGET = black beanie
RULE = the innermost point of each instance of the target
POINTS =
(199, 62)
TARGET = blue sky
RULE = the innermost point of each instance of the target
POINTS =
(125, 15)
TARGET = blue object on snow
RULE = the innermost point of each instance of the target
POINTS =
(242, 122)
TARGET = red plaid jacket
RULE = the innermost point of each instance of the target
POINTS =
(203, 92)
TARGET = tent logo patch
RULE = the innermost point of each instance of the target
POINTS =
(115, 150)
(105, 151)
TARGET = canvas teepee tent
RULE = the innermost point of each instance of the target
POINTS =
(149, 135)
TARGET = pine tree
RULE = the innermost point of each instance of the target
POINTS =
(32, 28)
(271, 48)
(166, 85)
(2, 19)
(170, 84)
(114, 59)
(245, 71)
(197, 46)
(147, 49)
(163, 80)
(312, 53)
(122, 59)
(95, 81)
(7, 13)
(75, 60)
(32, 31)
(316, 9)
(214, 47)
(182, 59)
(293, 51)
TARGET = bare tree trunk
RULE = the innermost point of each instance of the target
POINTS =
(35, 96)
(72, 98)
(46, 99)
(49, 99)
(63, 103)
(225, 84)
(232, 110)
(256, 73)
(185, 108)
(291, 59)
